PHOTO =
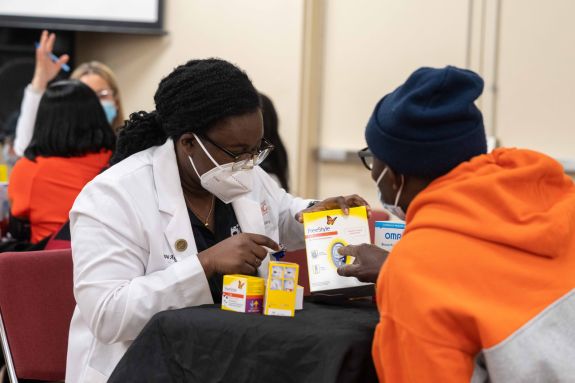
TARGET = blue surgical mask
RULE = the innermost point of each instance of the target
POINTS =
(393, 209)
(110, 110)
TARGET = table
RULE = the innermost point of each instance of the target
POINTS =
(322, 343)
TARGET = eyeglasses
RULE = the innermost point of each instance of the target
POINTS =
(366, 157)
(246, 160)
(105, 94)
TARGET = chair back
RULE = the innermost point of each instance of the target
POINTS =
(36, 306)
(376, 215)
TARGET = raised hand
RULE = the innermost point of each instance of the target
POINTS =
(46, 69)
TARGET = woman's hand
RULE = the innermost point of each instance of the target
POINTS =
(239, 254)
(343, 203)
(367, 263)
(46, 69)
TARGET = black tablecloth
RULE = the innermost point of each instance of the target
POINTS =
(322, 343)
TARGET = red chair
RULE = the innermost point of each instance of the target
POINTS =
(299, 256)
(36, 306)
(376, 215)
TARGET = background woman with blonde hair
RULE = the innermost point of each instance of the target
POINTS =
(102, 80)
(96, 75)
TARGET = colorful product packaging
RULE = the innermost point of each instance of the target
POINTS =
(326, 232)
(243, 293)
(281, 289)
(387, 233)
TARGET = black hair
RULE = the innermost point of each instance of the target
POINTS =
(276, 162)
(70, 122)
(191, 99)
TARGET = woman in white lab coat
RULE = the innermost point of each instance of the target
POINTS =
(186, 205)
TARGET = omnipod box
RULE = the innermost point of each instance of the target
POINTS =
(388, 233)
(326, 232)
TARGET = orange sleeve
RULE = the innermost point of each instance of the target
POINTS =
(401, 356)
(20, 187)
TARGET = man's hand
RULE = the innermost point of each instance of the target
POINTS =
(239, 254)
(341, 202)
(367, 263)
(46, 69)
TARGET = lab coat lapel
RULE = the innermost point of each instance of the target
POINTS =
(249, 215)
(178, 229)
(180, 235)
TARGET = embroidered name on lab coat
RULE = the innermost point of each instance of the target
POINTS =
(170, 258)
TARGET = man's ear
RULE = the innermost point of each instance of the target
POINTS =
(395, 178)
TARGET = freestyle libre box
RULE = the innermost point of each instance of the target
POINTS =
(325, 232)
(387, 233)
(281, 289)
(243, 293)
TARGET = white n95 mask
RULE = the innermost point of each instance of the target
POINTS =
(393, 209)
(223, 182)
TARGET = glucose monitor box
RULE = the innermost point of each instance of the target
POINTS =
(243, 293)
(281, 289)
(326, 232)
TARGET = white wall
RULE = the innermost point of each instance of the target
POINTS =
(262, 37)
(536, 87)
(371, 47)
(522, 48)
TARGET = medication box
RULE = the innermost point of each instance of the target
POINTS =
(243, 293)
(387, 233)
(325, 233)
(281, 289)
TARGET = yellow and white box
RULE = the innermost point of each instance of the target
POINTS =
(243, 293)
(281, 289)
(326, 232)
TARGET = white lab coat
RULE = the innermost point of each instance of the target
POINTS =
(124, 227)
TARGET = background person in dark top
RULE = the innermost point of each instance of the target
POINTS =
(276, 164)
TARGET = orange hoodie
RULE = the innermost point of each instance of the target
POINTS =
(482, 285)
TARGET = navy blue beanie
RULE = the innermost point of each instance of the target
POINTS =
(430, 124)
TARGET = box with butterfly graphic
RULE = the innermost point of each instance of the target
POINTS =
(243, 293)
(326, 232)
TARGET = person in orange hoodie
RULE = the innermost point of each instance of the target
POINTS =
(481, 287)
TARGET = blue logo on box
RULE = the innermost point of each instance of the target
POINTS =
(389, 225)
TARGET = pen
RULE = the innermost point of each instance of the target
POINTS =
(280, 253)
(65, 67)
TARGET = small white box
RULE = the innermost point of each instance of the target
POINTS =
(299, 298)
